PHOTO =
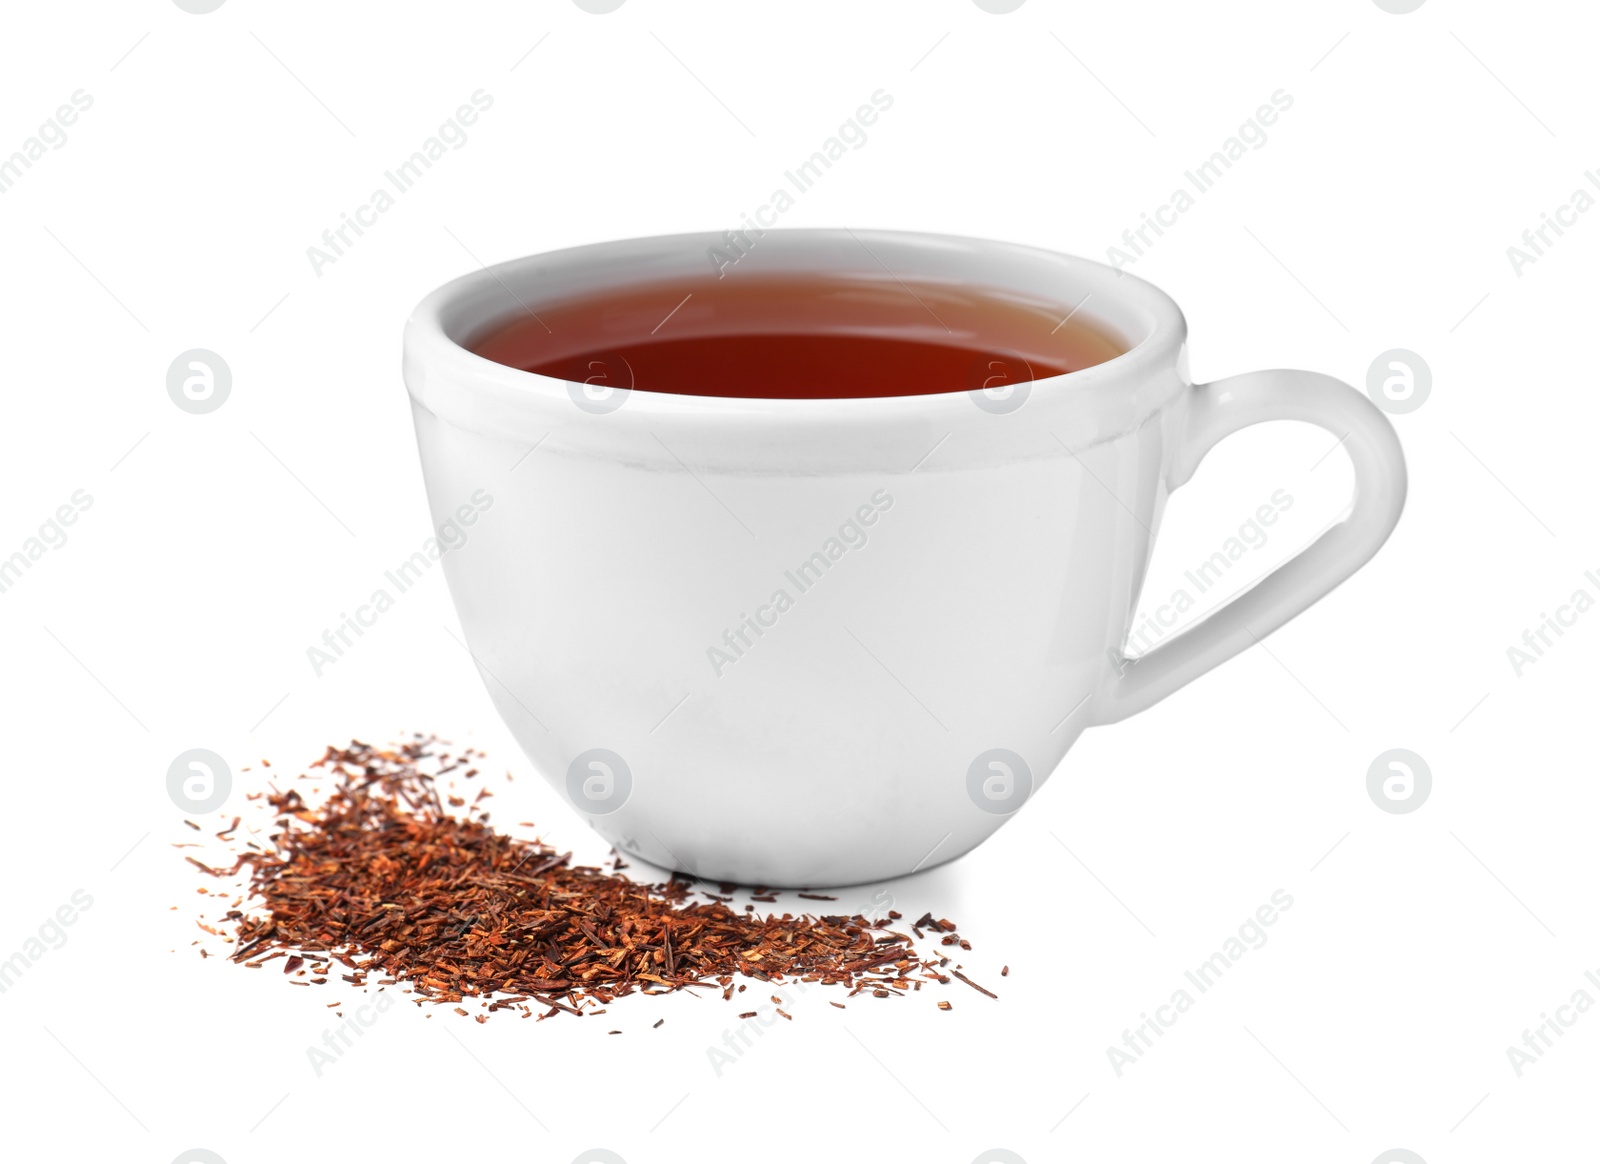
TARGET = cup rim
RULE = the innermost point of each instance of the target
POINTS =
(434, 353)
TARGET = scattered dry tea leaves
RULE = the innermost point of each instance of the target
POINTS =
(382, 879)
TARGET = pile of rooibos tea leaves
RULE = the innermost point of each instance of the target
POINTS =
(401, 885)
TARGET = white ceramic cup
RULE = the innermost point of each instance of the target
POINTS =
(970, 566)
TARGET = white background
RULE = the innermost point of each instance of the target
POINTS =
(218, 548)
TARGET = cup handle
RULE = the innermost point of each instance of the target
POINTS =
(1224, 407)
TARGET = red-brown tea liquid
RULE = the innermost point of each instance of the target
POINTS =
(799, 337)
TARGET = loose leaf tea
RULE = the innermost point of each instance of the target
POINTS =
(382, 878)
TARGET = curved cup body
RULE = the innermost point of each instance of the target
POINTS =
(798, 642)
